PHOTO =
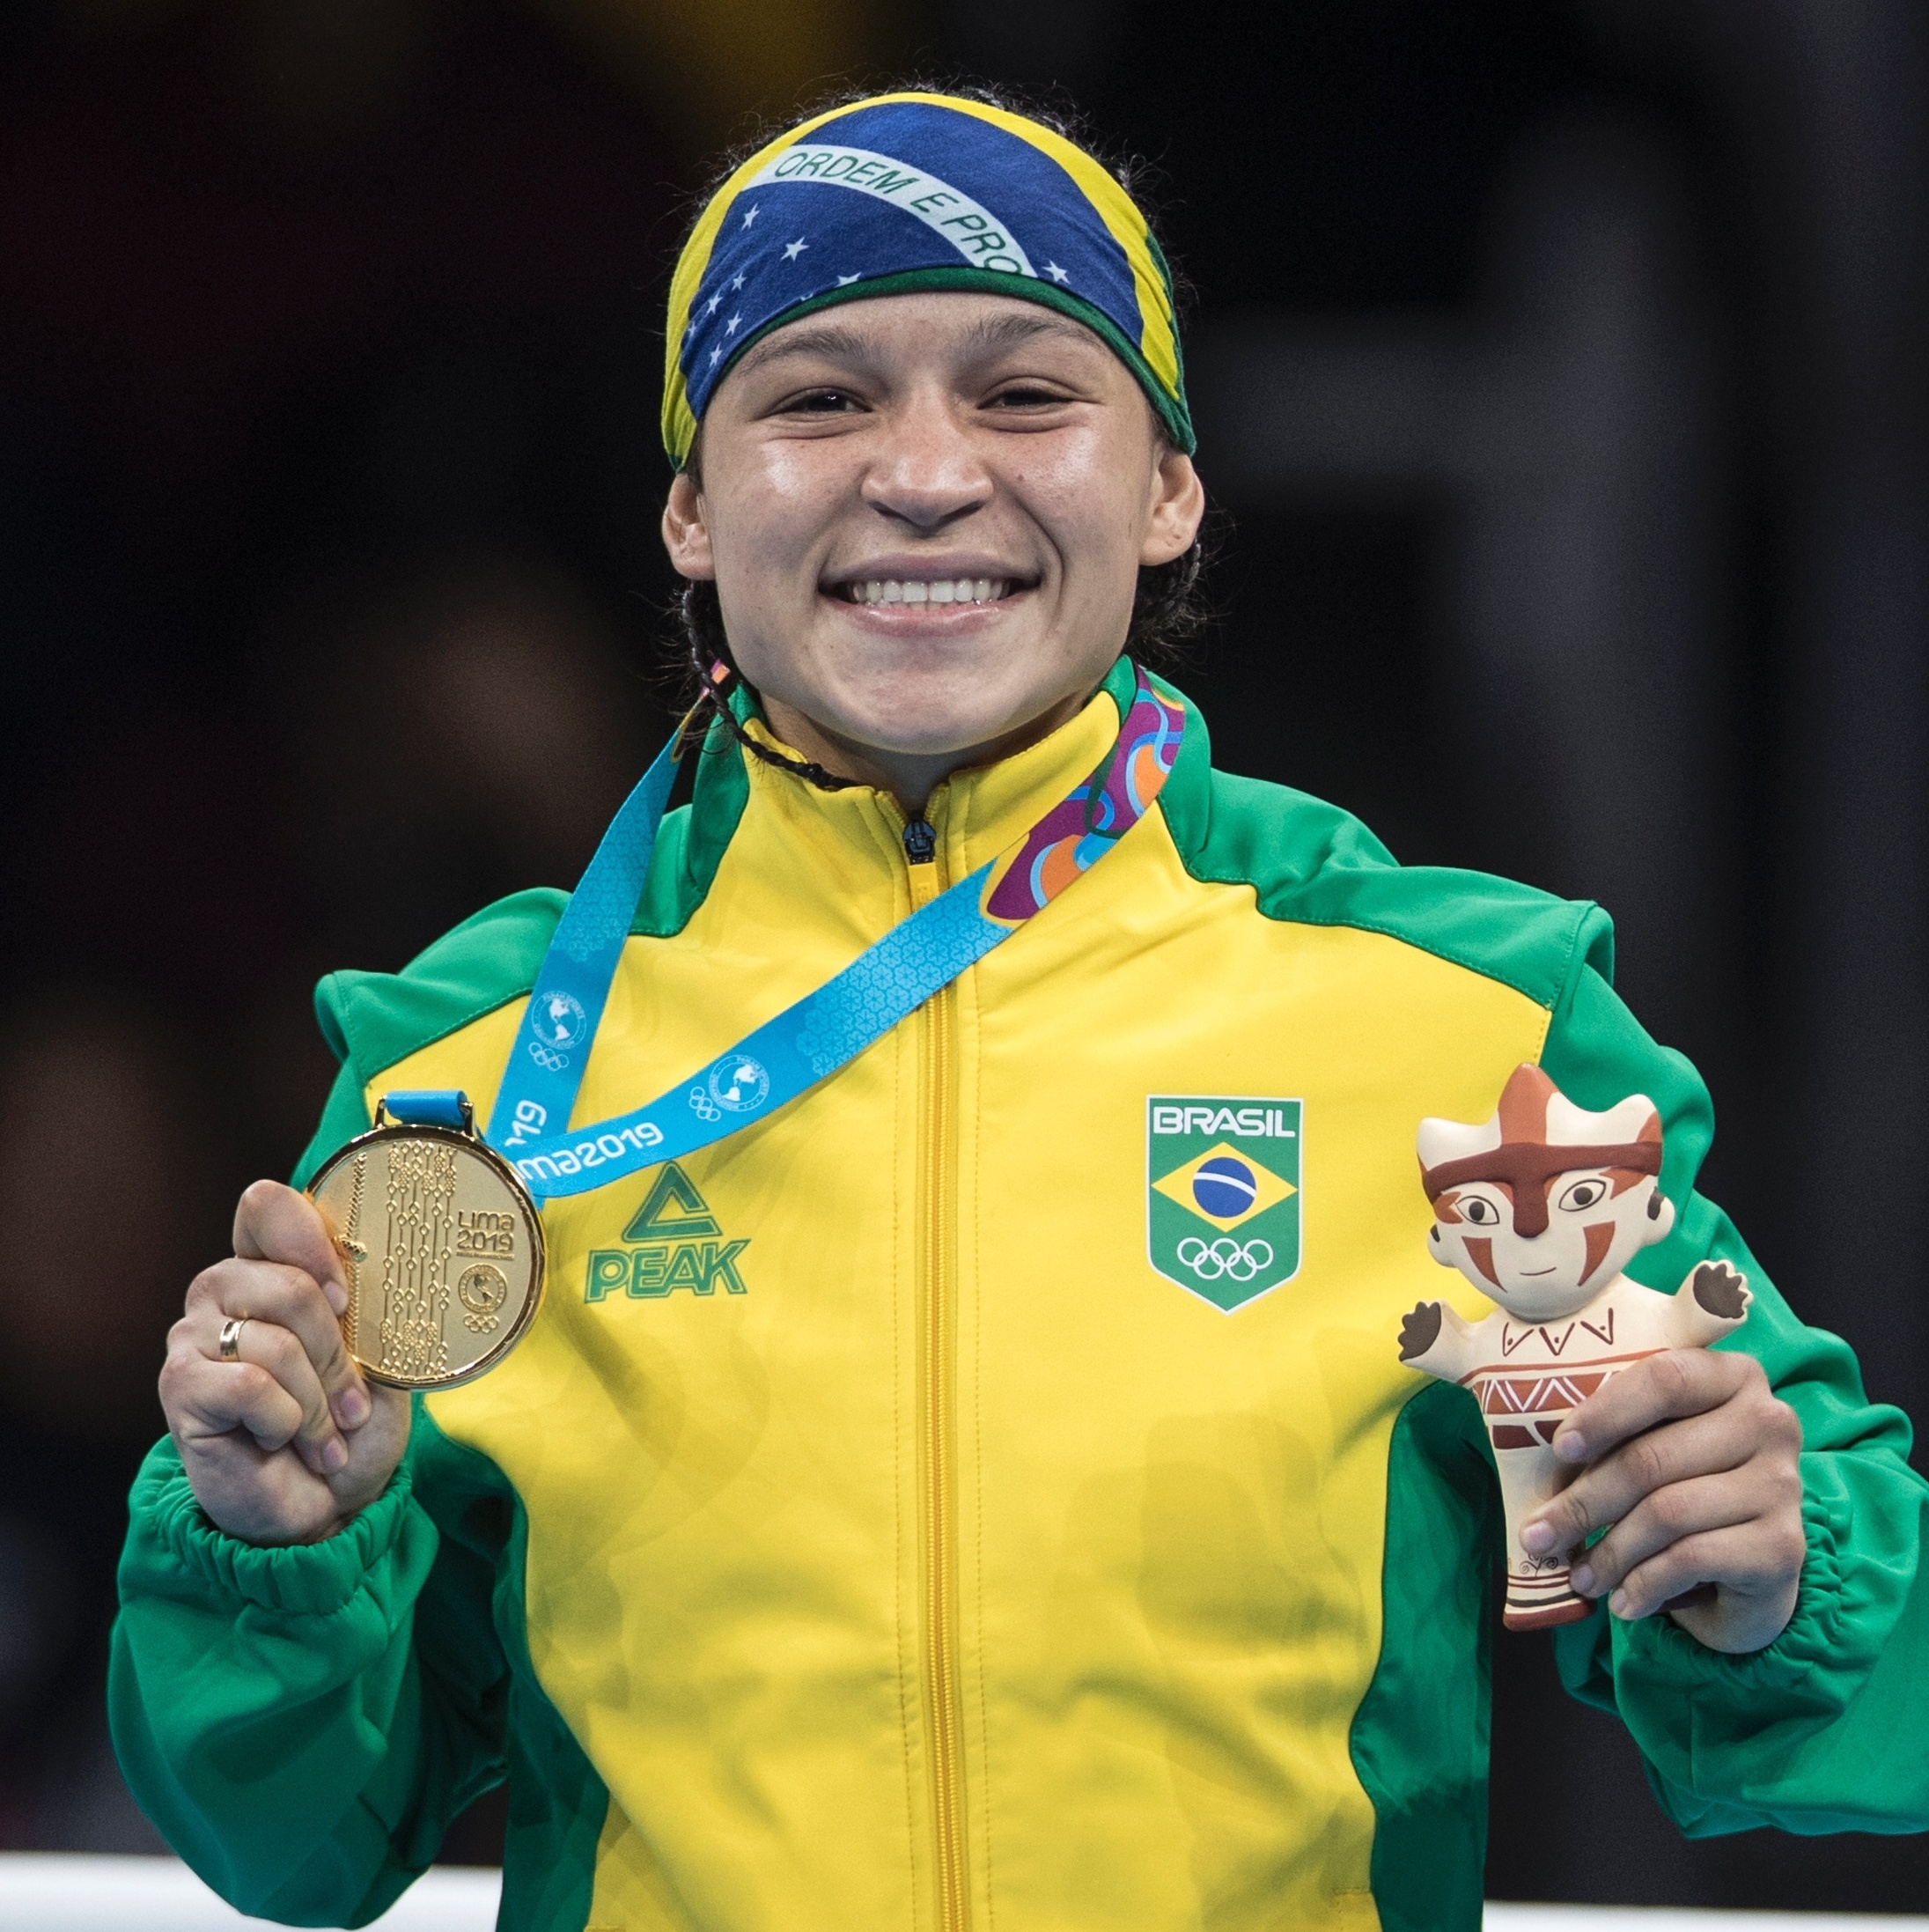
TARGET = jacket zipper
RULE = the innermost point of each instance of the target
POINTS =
(938, 1020)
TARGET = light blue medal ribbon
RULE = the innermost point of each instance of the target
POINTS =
(565, 1005)
(808, 1041)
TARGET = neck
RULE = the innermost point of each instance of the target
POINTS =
(909, 777)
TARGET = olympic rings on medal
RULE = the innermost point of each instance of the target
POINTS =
(1226, 1256)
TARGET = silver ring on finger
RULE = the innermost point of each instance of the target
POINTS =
(231, 1338)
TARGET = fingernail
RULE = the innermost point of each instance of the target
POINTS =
(1570, 1446)
(1618, 1602)
(1537, 1538)
(352, 1407)
(335, 1455)
(338, 1296)
(1583, 1579)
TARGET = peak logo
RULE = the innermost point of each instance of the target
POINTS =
(676, 1243)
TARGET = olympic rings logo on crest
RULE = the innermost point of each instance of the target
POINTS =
(1224, 1256)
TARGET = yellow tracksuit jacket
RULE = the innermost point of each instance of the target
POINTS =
(904, 1515)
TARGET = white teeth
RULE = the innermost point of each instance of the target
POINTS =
(893, 590)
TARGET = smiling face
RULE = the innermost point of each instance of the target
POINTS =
(925, 516)
(1543, 1205)
(1592, 1233)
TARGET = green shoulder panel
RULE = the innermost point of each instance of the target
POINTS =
(345, 1116)
(1598, 1054)
(373, 1020)
(1312, 863)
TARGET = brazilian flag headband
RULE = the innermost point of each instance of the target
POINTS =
(904, 193)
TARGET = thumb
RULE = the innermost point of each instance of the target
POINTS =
(273, 1222)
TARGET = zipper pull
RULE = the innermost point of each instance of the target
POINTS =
(920, 842)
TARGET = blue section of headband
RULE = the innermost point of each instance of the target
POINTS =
(786, 243)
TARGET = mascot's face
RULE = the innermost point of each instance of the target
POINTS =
(1543, 1205)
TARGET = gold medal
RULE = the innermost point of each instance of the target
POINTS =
(441, 1247)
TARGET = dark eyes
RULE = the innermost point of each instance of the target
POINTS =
(1025, 395)
(831, 401)
(1481, 1212)
(821, 402)
(1583, 1194)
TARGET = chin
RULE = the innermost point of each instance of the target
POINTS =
(1544, 1301)
(924, 713)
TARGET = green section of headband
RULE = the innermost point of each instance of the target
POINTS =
(1191, 443)
(1174, 417)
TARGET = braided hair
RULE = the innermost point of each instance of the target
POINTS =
(710, 673)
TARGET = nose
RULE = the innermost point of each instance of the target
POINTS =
(928, 474)
(1530, 1211)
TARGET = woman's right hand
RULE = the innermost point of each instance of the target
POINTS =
(286, 1442)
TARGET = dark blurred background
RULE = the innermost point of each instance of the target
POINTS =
(1559, 366)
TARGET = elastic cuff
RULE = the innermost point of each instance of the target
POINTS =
(302, 1579)
(1658, 1645)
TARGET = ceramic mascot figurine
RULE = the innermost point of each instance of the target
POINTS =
(1541, 1208)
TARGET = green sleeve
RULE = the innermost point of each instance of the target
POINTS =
(302, 1724)
(1819, 1731)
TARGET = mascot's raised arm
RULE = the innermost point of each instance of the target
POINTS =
(1541, 1207)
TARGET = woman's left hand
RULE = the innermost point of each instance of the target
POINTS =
(1697, 1464)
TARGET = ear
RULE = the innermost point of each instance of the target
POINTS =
(1660, 1223)
(1178, 505)
(1440, 1247)
(685, 534)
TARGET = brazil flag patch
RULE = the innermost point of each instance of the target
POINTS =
(1222, 1195)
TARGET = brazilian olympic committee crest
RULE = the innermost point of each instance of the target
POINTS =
(1222, 1195)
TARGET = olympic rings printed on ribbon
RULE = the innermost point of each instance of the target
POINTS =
(1237, 1262)
(547, 1056)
